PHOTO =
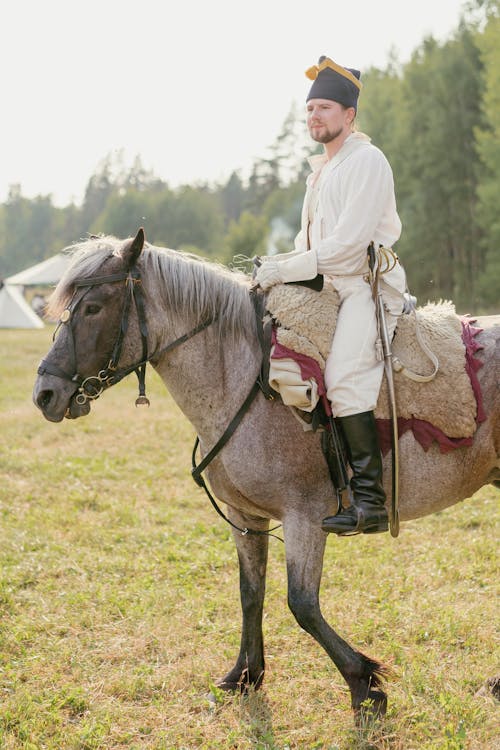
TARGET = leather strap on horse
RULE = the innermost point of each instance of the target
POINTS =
(233, 424)
(399, 367)
(264, 334)
(197, 469)
(262, 384)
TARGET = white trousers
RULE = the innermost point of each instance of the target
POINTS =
(353, 374)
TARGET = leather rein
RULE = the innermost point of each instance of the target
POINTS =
(91, 387)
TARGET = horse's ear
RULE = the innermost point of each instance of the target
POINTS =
(132, 251)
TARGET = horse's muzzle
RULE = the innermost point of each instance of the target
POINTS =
(57, 400)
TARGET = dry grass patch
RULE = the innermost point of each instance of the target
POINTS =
(119, 599)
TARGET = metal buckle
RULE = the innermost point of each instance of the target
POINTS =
(88, 392)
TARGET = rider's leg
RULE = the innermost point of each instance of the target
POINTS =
(367, 513)
(353, 376)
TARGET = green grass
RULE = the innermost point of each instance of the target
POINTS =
(119, 600)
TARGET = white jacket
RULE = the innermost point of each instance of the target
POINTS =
(355, 204)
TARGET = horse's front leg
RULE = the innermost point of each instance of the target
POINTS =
(252, 556)
(305, 543)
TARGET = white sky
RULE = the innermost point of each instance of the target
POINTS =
(197, 88)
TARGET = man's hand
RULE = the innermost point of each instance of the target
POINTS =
(296, 267)
(267, 275)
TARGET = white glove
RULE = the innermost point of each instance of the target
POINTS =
(299, 267)
(267, 274)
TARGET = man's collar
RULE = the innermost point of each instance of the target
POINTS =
(318, 161)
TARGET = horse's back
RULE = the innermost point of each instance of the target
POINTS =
(431, 481)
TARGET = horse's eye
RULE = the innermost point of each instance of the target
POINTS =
(92, 309)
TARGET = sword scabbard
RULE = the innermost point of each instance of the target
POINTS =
(385, 341)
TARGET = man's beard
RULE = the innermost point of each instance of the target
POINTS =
(327, 136)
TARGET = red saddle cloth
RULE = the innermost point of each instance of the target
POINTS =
(424, 432)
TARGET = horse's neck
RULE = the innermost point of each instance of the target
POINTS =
(209, 380)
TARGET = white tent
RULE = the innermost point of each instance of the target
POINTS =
(47, 272)
(15, 311)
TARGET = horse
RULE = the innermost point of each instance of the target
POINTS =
(123, 303)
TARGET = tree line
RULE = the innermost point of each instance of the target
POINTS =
(436, 117)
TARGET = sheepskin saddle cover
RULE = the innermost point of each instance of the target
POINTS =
(305, 322)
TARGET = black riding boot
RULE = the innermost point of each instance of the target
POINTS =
(367, 514)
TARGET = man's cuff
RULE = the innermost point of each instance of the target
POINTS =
(302, 267)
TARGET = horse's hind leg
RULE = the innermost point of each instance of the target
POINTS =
(252, 556)
(304, 552)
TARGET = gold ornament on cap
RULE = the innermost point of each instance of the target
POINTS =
(314, 71)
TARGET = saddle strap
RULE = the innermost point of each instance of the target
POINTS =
(399, 367)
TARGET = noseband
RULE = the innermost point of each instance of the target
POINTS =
(91, 387)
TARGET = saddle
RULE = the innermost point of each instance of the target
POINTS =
(447, 408)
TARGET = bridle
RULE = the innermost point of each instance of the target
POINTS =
(90, 387)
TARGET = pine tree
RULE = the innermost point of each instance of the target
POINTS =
(488, 144)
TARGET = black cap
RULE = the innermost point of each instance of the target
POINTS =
(332, 81)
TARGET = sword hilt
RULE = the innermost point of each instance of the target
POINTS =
(372, 256)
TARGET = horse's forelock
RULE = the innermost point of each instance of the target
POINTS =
(86, 258)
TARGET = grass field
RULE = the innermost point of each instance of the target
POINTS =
(119, 599)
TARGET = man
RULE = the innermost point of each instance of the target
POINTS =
(349, 203)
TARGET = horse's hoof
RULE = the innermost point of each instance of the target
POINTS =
(242, 688)
(228, 686)
(219, 691)
(239, 682)
(373, 708)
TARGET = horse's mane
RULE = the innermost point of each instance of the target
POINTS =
(194, 287)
